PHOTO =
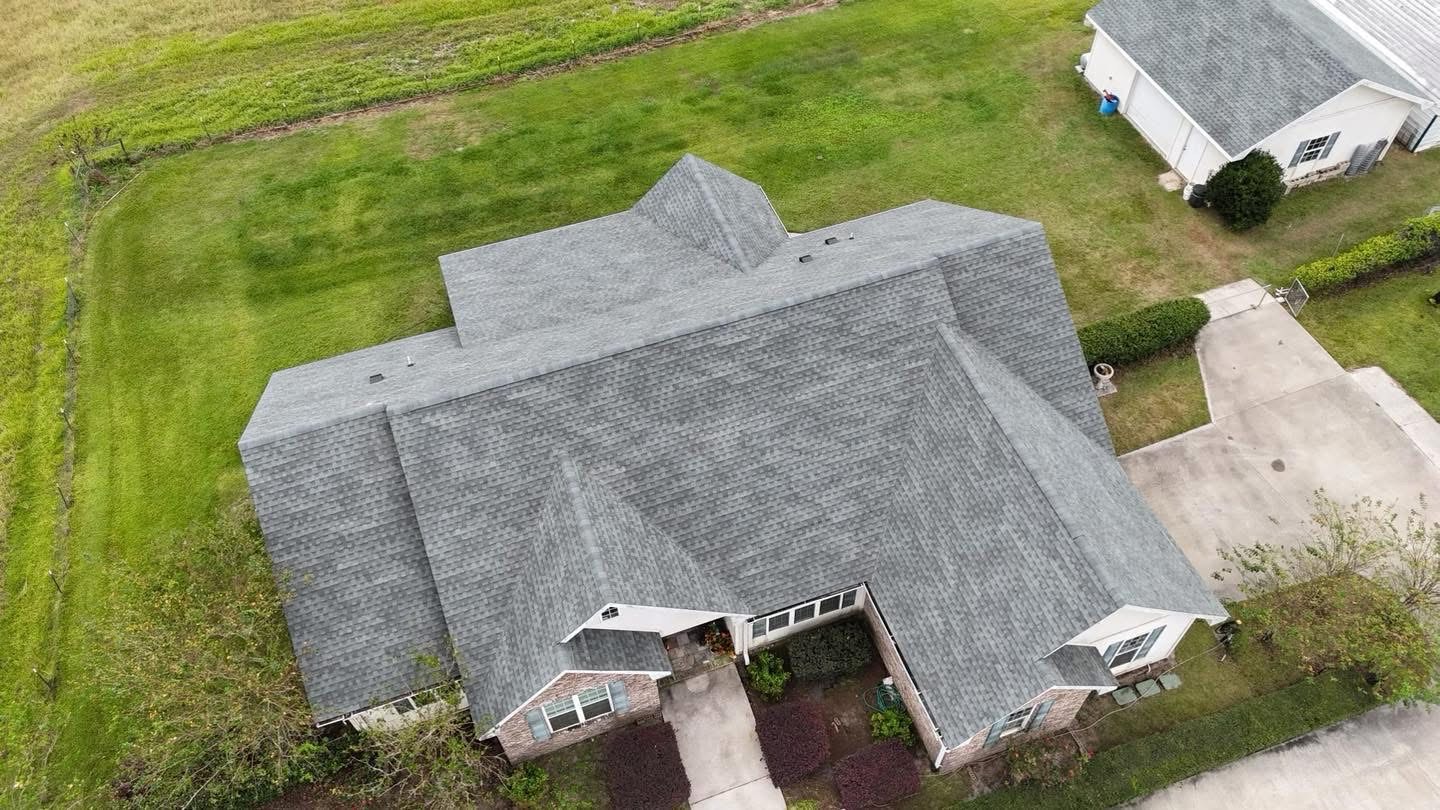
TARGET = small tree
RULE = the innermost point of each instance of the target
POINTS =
(1245, 192)
(1357, 595)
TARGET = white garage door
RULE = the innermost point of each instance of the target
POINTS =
(1154, 115)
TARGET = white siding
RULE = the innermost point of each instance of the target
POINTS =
(644, 619)
(1131, 621)
(1361, 115)
(772, 636)
(1185, 147)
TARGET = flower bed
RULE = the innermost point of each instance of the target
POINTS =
(643, 770)
(793, 739)
(876, 776)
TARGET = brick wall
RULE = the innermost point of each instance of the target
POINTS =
(520, 745)
(908, 692)
(1062, 714)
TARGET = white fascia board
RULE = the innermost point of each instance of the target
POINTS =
(526, 702)
(1183, 114)
(1362, 83)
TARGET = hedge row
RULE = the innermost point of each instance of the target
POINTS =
(643, 770)
(1417, 239)
(1135, 336)
(833, 651)
(1128, 771)
(876, 776)
(793, 739)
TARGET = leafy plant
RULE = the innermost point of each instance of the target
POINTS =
(643, 770)
(893, 723)
(526, 785)
(717, 638)
(1417, 239)
(876, 776)
(1350, 596)
(767, 675)
(201, 669)
(803, 804)
(793, 739)
(1047, 761)
(832, 651)
(1245, 192)
(1135, 336)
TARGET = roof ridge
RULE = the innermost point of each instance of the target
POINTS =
(695, 166)
(1095, 567)
(583, 522)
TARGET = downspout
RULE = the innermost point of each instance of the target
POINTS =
(1424, 133)
(745, 640)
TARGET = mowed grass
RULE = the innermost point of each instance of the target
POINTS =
(218, 267)
(1159, 398)
(1388, 323)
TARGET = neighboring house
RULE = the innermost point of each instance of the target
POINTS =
(680, 414)
(1210, 81)
(1406, 34)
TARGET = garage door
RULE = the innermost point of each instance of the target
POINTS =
(1154, 115)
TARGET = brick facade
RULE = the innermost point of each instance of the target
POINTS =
(1062, 715)
(890, 654)
(520, 745)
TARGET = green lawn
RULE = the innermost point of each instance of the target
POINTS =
(217, 267)
(1389, 324)
(575, 773)
(1159, 398)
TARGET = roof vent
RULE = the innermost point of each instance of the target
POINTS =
(408, 361)
(374, 378)
(806, 258)
(830, 240)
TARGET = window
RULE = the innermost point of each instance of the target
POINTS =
(804, 613)
(1128, 649)
(1016, 721)
(1313, 149)
(404, 706)
(571, 711)
(562, 714)
(609, 613)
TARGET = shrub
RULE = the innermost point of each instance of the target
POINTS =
(200, 668)
(526, 785)
(1135, 336)
(803, 804)
(767, 675)
(1048, 761)
(1418, 239)
(1245, 192)
(794, 740)
(717, 638)
(643, 769)
(876, 776)
(893, 724)
(832, 651)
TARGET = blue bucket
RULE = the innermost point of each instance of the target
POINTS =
(1109, 103)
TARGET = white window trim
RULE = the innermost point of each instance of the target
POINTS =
(579, 709)
(1021, 720)
(1313, 151)
(762, 623)
(1138, 641)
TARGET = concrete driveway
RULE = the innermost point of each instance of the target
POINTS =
(1286, 420)
(715, 731)
(1387, 758)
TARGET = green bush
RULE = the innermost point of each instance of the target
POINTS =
(1419, 238)
(767, 675)
(1135, 336)
(525, 785)
(832, 651)
(1245, 192)
(1134, 769)
(893, 723)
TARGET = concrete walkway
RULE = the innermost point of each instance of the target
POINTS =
(1387, 758)
(1287, 420)
(716, 734)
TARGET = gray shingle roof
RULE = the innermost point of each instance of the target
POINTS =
(1243, 69)
(1080, 665)
(1409, 29)
(744, 438)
